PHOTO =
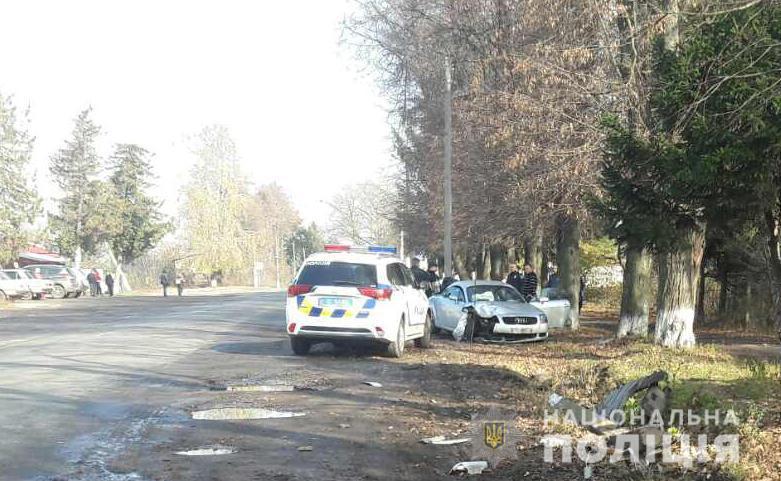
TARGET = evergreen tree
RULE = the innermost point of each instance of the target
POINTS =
(140, 224)
(19, 204)
(74, 169)
(714, 160)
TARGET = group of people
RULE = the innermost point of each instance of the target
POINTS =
(428, 279)
(526, 284)
(165, 282)
(95, 281)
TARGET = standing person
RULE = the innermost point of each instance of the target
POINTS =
(554, 281)
(110, 284)
(582, 296)
(179, 284)
(98, 282)
(165, 283)
(91, 281)
(433, 280)
(529, 286)
(514, 278)
(418, 274)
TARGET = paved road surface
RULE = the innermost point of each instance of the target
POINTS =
(102, 389)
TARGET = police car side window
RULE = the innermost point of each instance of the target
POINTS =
(409, 280)
(394, 275)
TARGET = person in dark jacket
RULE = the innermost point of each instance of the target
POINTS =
(93, 289)
(514, 278)
(418, 274)
(165, 283)
(554, 281)
(110, 284)
(432, 276)
(582, 296)
(529, 286)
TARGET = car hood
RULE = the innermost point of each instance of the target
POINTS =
(505, 308)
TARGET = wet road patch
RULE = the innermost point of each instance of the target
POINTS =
(229, 414)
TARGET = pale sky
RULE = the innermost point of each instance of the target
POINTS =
(301, 109)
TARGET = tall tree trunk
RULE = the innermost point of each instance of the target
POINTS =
(460, 261)
(723, 293)
(568, 257)
(636, 296)
(774, 245)
(678, 290)
(123, 285)
(699, 312)
(485, 267)
(532, 253)
(498, 262)
(545, 258)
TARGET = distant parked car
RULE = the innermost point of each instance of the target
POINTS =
(9, 289)
(65, 283)
(33, 288)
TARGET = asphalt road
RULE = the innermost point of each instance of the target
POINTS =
(104, 389)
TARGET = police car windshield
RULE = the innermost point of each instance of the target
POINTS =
(492, 294)
(325, 273)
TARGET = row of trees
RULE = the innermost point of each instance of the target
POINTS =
(101, 206)
(655, 122)
(230, 226)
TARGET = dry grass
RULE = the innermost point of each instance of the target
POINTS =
(579, 366)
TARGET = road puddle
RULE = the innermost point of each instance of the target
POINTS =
(228, 414)
(211, 451)
(261, 388)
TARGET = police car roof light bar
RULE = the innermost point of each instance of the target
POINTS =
(368, 249)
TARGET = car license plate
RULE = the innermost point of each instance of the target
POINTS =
(519, 329)
(335, 302)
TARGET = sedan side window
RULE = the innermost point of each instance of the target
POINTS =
(459, 294)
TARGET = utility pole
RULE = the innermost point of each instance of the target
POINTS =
(448, 187)
(276, 255)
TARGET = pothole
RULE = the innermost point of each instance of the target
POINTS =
(227, 414)
(208, 451)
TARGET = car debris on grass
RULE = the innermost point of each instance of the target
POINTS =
(441, 440)
(469, 467)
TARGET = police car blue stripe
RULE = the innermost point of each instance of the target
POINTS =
(299, 300)
(362, 315)
(338, 313)
(370, 303)
(315, 312)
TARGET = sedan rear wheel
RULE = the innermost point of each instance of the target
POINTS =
(58, 292)
(27, 296)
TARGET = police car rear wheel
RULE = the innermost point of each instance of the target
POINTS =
(300, 346)
(425, 341)
(396, 348)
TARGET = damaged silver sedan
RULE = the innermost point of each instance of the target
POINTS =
(489, 310)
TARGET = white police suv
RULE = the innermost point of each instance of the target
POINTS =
(356, 294)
